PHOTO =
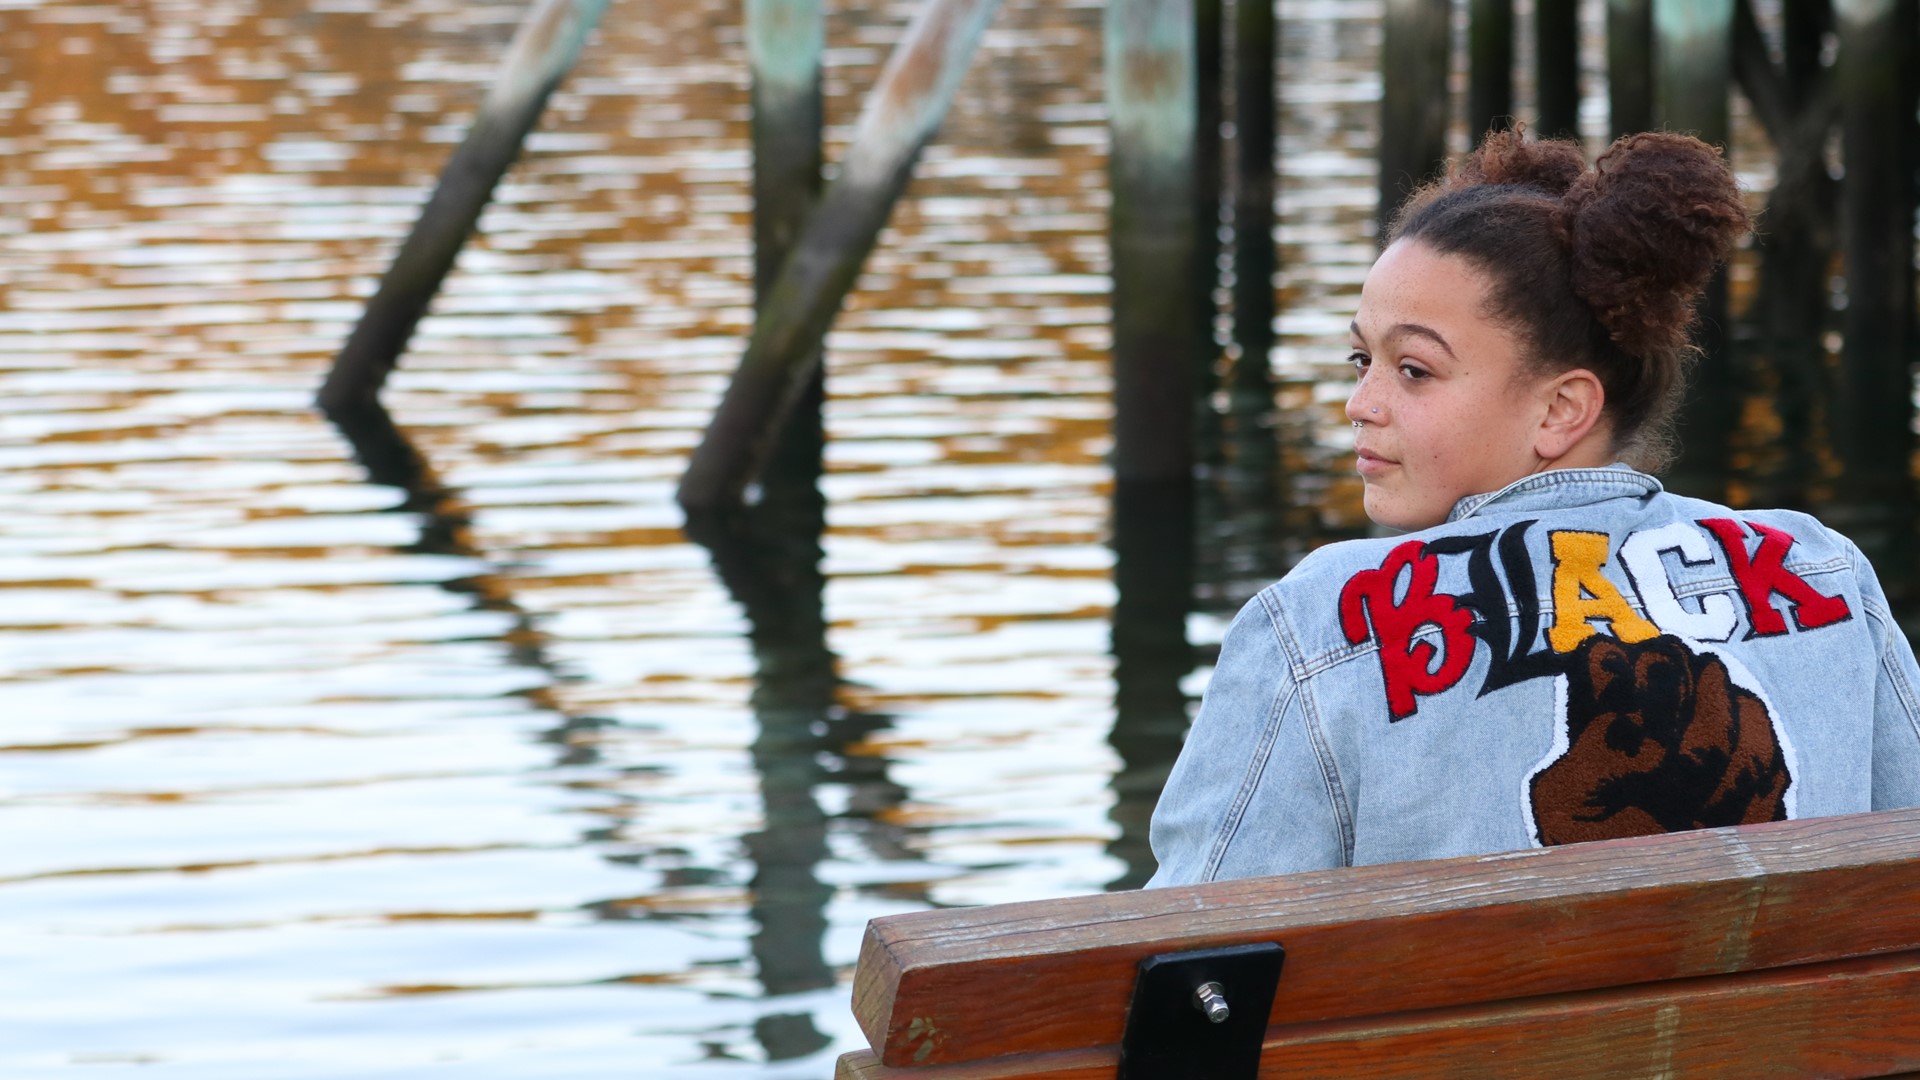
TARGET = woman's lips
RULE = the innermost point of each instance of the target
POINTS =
(1369, 463)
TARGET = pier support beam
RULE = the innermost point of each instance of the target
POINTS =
(543, 51)
(901, 114)
(1556, 55)
(1873, 407)
(1158, 352)
(1255, 258)
(785, 39)
(1413, 106)
(1489, 67)
(1693, 74)
(1629, 66)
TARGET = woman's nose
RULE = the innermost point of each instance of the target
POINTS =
(1360, 406)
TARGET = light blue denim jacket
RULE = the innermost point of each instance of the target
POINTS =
(1577, 656)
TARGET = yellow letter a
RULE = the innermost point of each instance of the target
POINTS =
(1581, 592)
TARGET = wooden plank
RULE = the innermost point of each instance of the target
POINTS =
(1857, 1017)
(941, 986)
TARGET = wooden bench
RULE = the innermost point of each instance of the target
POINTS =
(1787, 949)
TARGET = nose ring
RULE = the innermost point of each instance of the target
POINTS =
(1357, 423)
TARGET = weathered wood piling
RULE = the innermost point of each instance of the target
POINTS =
(1489, 66)
(1877, 84)
(1413, 105)
(1255, 258)
(1629, 66)
(543, 51)
(1556, 39)
(900, 115)
(1155, 237)
(785, 40)
(1693, 74)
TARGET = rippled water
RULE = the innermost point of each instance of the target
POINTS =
(306, 775)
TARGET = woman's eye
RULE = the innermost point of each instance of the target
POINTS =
(1360, 361)
(1414, 372)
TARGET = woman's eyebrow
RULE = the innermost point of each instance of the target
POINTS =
(1415, 329)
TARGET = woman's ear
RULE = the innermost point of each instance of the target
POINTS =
(1575, 405)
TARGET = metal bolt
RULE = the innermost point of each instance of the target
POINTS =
(1211, 999)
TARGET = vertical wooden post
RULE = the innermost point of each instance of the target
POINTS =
(1629, 66)
(901, 114)
(1255, 258)
(1792, 306)
(1150, 80)
(1210, 189)
(543, 51)
(1556, 26)
(1413, 106)
(1693, 74)
(784, 43)
(1489, 67)
(1873, 409)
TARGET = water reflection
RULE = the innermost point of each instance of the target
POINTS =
(768, 557)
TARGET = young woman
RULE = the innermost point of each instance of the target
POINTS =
(1559, 650)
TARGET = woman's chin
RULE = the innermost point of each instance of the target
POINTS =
(1388, 512)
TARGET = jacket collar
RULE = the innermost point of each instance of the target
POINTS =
(1558, 488)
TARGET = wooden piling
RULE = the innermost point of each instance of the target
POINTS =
(1157, 350)
(1556, 54)
(1872, 424)
(901, 114)
(1792, 306)
(1693, 74)
(1489, 67)
(1255, 258)
(543, 51)
(1210, 195)
(1629, 66)
(785, 39)
(1413, 107)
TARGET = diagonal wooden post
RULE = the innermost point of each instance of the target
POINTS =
(543, 51)
(901, 114)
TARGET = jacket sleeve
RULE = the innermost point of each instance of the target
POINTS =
(1249, 794)
(1896, 699)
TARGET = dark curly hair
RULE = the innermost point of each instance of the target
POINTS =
(1595, 268)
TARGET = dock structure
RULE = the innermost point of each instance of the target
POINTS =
(1189, 92)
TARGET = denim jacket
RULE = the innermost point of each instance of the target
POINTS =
(1580, 655)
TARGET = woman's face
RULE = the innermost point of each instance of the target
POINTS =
(1444, 405)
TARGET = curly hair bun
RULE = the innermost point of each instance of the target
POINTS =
(1507, 157)
(1644, 229)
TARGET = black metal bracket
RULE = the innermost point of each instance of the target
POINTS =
(1201, 1015)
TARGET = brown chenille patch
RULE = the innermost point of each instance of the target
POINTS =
(1660, 739)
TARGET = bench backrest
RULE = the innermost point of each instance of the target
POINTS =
(1790, 948)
